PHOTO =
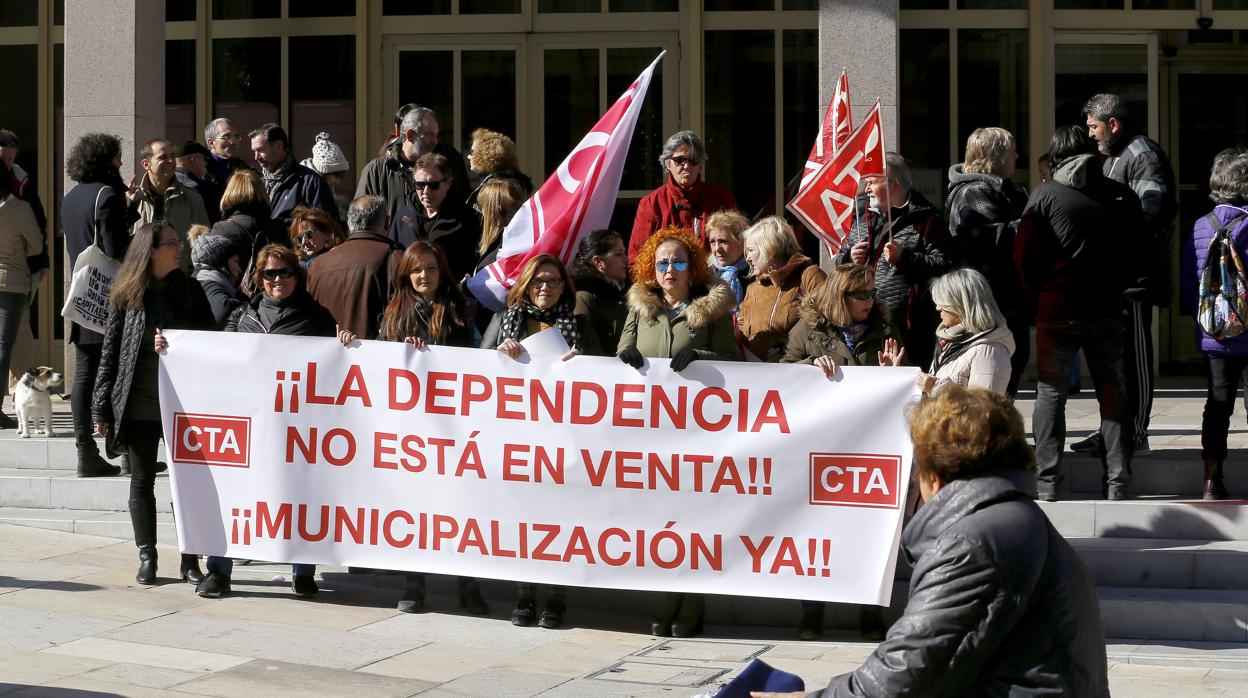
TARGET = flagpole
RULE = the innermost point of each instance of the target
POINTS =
(888, 215)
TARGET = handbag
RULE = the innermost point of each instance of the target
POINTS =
(86, 303)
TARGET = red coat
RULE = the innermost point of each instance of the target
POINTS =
(669, 205)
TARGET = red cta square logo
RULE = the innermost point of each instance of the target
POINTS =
(211, 439)
(855, 480)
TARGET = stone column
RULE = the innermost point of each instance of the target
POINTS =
(861, 37)
(114, 81)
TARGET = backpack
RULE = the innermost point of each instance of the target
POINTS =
(1223, 309)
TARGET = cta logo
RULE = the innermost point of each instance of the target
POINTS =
(855, 480)
(212, 439)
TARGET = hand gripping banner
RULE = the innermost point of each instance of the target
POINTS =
(728, 478)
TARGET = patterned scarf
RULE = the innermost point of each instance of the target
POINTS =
(732, 276)
(854, 334)
(272, 179)
(559, 315)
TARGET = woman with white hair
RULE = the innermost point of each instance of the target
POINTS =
(973, 342)
(984, 209)
(783, 278)
(684, 200)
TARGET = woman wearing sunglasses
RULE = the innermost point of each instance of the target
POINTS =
(442, 218)
(151, 293)
(282, 307)
(678, 310)
(425, 309)
(314, 233)
(684, 200)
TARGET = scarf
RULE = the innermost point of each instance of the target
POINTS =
(853, 334)
(732, 276)
(272, 179)
(950, 343)
(559, 315)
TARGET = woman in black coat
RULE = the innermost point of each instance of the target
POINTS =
(1000, 604)
(601, 276)
(150, 294)
(283, 307)
(426, 308)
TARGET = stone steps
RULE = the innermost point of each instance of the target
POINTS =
(1205, 615)
(1151, 517)
(61, 489)
(1166, 472)
(1160, 563)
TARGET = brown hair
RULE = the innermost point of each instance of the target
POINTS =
(493, 152)
(319, 220)
(520, 290)
(732, 222)
(829, 299)
(961, 433)
(245, 186)
(430, 161)
(136, 269)
(400, 321)
(498, 199)
(699, 269)
(279, 252)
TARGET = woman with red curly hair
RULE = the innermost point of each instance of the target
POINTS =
(679, 310)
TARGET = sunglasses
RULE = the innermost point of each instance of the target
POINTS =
(547, 282)
(304, 236)
(431, 185)
(273, 274)
(861, 295)
(682, 161)
(663, 265)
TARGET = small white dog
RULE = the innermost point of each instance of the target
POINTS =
(33, 402)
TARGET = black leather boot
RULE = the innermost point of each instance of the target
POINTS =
(413, 600)
(688, 622)
(94, 465)
(662, 624)
(1214, 489)
(189, 570)
(470, 597)
(143, 521)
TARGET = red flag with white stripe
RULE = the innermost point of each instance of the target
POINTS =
(826, 206)
(579, 197)
(837, 125)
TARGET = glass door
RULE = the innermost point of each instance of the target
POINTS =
(576, 77)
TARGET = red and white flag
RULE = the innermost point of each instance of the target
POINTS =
(579, 197)
(826, 206)
(837, 124)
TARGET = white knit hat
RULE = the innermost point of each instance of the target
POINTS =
(327, 157)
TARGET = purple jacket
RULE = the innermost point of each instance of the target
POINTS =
(1193, 263)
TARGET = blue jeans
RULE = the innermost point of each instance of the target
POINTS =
(1057, 348)
(225, 566)
(12, 311)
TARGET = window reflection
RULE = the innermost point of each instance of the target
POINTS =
(246, 80)
(322, 97)
(740, 88)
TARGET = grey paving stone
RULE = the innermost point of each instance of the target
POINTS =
(468, 631)
(264, 677)
(17, 575)
(274, 641)
(140, 675)
(149, 653)
(501, 682)
(30, 667)
(33, 629)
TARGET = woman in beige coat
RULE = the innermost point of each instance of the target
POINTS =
(973, 343)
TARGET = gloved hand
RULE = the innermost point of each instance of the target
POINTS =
(683, 358)
(632, 357)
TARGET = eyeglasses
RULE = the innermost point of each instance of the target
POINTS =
(299, 238)
(171, 243)
(682, 161)
(861, 295)
(547, 282)
(662, 265)
(273, 274)
(431, 185)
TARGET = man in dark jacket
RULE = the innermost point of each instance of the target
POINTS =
(288, 183)
(440, 219)
(222, 140)
(390, 175)
(1138, 162)
(1000, 604)
(1075, 256)
(192, 172)
(94, 212)
(905, 256)
(353, 279)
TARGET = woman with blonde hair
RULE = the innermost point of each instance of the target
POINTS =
(725, 235)
(783, 278)
(497, 201)
(842, 325)
(984, 208)
(973, 343)
(247, 219)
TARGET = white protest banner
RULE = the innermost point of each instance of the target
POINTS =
(729, 478)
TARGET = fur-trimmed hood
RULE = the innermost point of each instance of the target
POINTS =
(706, 304)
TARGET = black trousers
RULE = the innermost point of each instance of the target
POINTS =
(86, 363)
(1225, 374)
(142, 437)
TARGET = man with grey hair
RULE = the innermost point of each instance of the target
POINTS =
(1138, 162)
(390, 175)
(904, 238)
(352, 280)
(684, 200)
(222, 141)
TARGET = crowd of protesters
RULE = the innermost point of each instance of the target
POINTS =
(210, 238)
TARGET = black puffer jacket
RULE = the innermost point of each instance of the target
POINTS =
(123, 337)
(298, 316)
(983, 219)
(1000, 604)
(1138, 162)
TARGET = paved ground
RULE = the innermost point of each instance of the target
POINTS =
(73, 622)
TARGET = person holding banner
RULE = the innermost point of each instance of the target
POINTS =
(842, 325)
(151, 293)
(783, 278)
(684, 200)
(973, 343)
(1000, 603)
(601, 269)
(677, 310)
(542, 297)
